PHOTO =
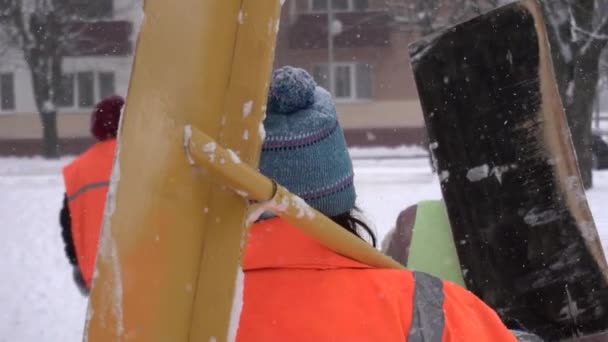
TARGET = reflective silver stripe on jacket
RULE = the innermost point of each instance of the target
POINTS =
(522, 336)
(87, 187)
(428, 320)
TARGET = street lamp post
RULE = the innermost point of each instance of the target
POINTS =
(330, 45)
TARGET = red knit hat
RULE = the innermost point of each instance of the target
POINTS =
(105, 117)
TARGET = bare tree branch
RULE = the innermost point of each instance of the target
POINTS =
(600, 34)
(591, 35)
(45, 32)
(579, 33)
(557, 18)
(18, 21)
(432, 15)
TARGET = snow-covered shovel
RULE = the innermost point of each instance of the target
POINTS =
(524, 233)
(185, 178)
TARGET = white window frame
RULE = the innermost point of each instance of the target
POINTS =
(354, 97)
(14, 110)
(96, 90)
(351, 8)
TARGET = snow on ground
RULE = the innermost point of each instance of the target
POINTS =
(38, 299)
(387, 152)
(601, 124)
(387, 186)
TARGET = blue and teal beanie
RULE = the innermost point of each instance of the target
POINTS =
(305, 150)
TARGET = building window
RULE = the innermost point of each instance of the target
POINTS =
(318, 5)
(339, 5)
(87, 9)
(84, 89)
(363, 85)
(360, 5)
(342, 83)
(352, 81)
(106, 84)
(65, 97)
(321, 75)
(7, 92)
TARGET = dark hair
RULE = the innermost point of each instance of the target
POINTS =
(351, 223)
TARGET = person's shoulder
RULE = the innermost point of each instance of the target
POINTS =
(458, 292)
(94, 150)
(76, 163)
(399, 280)
(468, 316)
(72, 165)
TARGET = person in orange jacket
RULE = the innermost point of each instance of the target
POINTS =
(86, 181)
(296, 289)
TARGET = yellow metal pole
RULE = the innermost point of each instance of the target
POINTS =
(227, 169)
(243, 110)
(225, 163)
(295, 211)
(169, 254)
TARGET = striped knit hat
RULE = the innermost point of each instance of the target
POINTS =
(305, 150)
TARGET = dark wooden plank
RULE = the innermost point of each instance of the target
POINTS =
(525, 236)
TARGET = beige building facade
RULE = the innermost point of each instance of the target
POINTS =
(372, 82)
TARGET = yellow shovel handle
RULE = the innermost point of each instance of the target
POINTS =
(225, 166)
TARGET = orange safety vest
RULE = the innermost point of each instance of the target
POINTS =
(86, 182)
(295, 289)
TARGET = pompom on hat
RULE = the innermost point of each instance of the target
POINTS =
(106, 117)
(305, 149)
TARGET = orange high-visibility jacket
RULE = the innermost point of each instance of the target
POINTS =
(295, 289)
(86, 182)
